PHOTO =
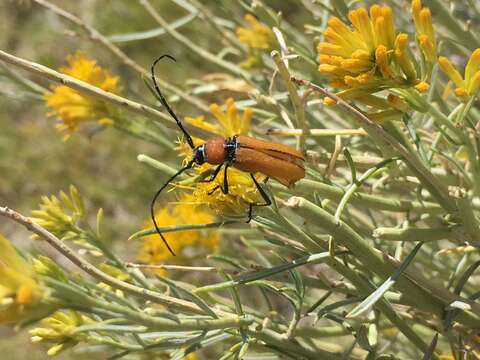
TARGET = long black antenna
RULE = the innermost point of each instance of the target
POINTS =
(164, 101)
(152, 205)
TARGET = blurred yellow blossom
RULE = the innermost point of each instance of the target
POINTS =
(422, 18)
(59, 215)
(73, 108)
(184, 243)
(469, 84)
(20, 292)
(257, 37)
(60, 330)
(241, 189)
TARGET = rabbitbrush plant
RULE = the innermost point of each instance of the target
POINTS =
(373, 255)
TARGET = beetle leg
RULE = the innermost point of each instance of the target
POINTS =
(213, 190)
(225, 180)
(264, 195)
(214, 175)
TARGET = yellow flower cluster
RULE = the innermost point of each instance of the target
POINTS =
(73, 108)
(20, 292)
(257, 37)
(241, 188)
(60, 329)
(469, 84)
(184, 243)
(369, 56)
(422, 18)
(59, 215)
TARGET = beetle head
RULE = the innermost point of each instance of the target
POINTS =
(199, 154)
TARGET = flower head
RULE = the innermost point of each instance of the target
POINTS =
(257, 37)
(59, 215)
(422, 18)
(349, 53)
(241, 189)
(469, 84)
(60, 330)
(183, 243)
(20, 292)
(368, 56)
(73, 108)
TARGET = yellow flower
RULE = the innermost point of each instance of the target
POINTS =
(402, 57)
(466, 86)
(229, 123)
(73, 108)
(183, 243)
(60, 330)
(349, 54)
(20, 293)
(60, 215)
(422, 17)
(368, 56)
(241, 189)
(257, 35)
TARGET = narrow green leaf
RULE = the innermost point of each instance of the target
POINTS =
(366, 304)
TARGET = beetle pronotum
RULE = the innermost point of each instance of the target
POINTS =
(277, 161)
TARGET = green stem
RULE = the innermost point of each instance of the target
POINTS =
(183, 227)
(373, 202)
(413, 234)
(421, 292)
(273, 339)
(294, 97)
(245, 279)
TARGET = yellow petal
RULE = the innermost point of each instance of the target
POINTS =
(450, 70)
(473, 65)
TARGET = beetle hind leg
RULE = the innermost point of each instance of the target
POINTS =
(266, 199)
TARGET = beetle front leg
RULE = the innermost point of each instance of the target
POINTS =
(225, 180)
(266, 199)
(214, 175)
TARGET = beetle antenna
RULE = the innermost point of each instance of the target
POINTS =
(165, 103)
(152, 205)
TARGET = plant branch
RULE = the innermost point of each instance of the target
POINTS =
(91, 90)
(60, 246)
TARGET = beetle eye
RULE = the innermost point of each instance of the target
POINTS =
(198, 156)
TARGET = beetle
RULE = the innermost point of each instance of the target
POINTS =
(277, 161)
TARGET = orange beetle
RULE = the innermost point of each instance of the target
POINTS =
(277, 161)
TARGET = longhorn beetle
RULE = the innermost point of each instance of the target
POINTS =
(280, 162)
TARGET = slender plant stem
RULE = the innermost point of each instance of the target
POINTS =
(317, 132)
(233, 68)
(91, 90)
(295, 98)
